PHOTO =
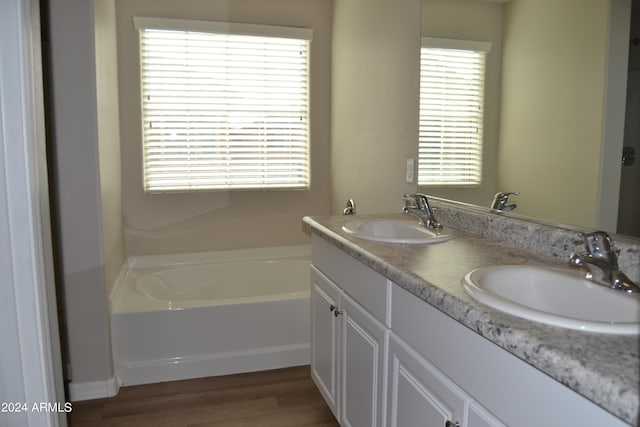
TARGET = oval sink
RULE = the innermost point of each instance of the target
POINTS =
(556, 296)
(393, 231)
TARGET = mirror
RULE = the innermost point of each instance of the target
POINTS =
(554, 115)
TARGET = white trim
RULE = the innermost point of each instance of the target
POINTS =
(140, 22)
(94, 389)
(474, 45)
(30, 368)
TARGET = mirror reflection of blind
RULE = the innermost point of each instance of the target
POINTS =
(225, 106)
(451, 112)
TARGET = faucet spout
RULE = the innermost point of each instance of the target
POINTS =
(500, 201)
(601, 256)
(418, 205)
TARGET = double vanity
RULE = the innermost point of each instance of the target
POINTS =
(408, 333)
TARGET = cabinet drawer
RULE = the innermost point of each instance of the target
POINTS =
(364, 285)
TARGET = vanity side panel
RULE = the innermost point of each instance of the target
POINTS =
(512, 390)
(359, 281)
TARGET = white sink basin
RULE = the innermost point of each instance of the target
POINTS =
(393, 231)
(555, 296)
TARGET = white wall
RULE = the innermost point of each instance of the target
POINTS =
(78, 189)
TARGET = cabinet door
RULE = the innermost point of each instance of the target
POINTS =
(363, 348)
(324, 338)
(419, 395)
(480, 417)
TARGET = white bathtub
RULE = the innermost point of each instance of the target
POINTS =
(204, 314)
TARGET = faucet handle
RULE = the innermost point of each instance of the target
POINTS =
(600, 244)
(414, 200)
(410, 201)
(501, 199)
(350, 208)
(597, 240)
(602, 254)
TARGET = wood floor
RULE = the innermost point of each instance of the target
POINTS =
(283, 397)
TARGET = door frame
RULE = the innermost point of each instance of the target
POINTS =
(30, 362)
(613, 115)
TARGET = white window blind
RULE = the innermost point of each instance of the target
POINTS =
(224, 106)
(451, 112)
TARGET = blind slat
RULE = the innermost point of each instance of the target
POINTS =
(451, 115)
(224, 111)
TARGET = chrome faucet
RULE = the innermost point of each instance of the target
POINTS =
(350, 208)
(500, 201)
(601, 255)
(418, 205)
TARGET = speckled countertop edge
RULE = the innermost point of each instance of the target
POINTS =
(603, 368)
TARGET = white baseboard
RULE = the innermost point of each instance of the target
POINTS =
(94, 389)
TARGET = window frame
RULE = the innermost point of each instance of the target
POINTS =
(301, 159)
(481, 49)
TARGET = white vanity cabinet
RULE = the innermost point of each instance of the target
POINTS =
(349, 343)
(420, 395)
(382, 357)
(324, 338)
(499, 388)
(363, 345)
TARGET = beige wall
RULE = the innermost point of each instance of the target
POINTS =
(109, 140)
(169, 223)
(478, 21)
(552, 107)
(375, 102)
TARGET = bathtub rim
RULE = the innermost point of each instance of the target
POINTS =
(218, 256)
(134, 264)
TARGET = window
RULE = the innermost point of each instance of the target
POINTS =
(224, 106)
(451, 112)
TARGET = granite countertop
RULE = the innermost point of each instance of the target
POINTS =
(603, 368)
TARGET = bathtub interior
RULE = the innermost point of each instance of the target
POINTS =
(224, 281)
(172, 282)
(164, 335)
